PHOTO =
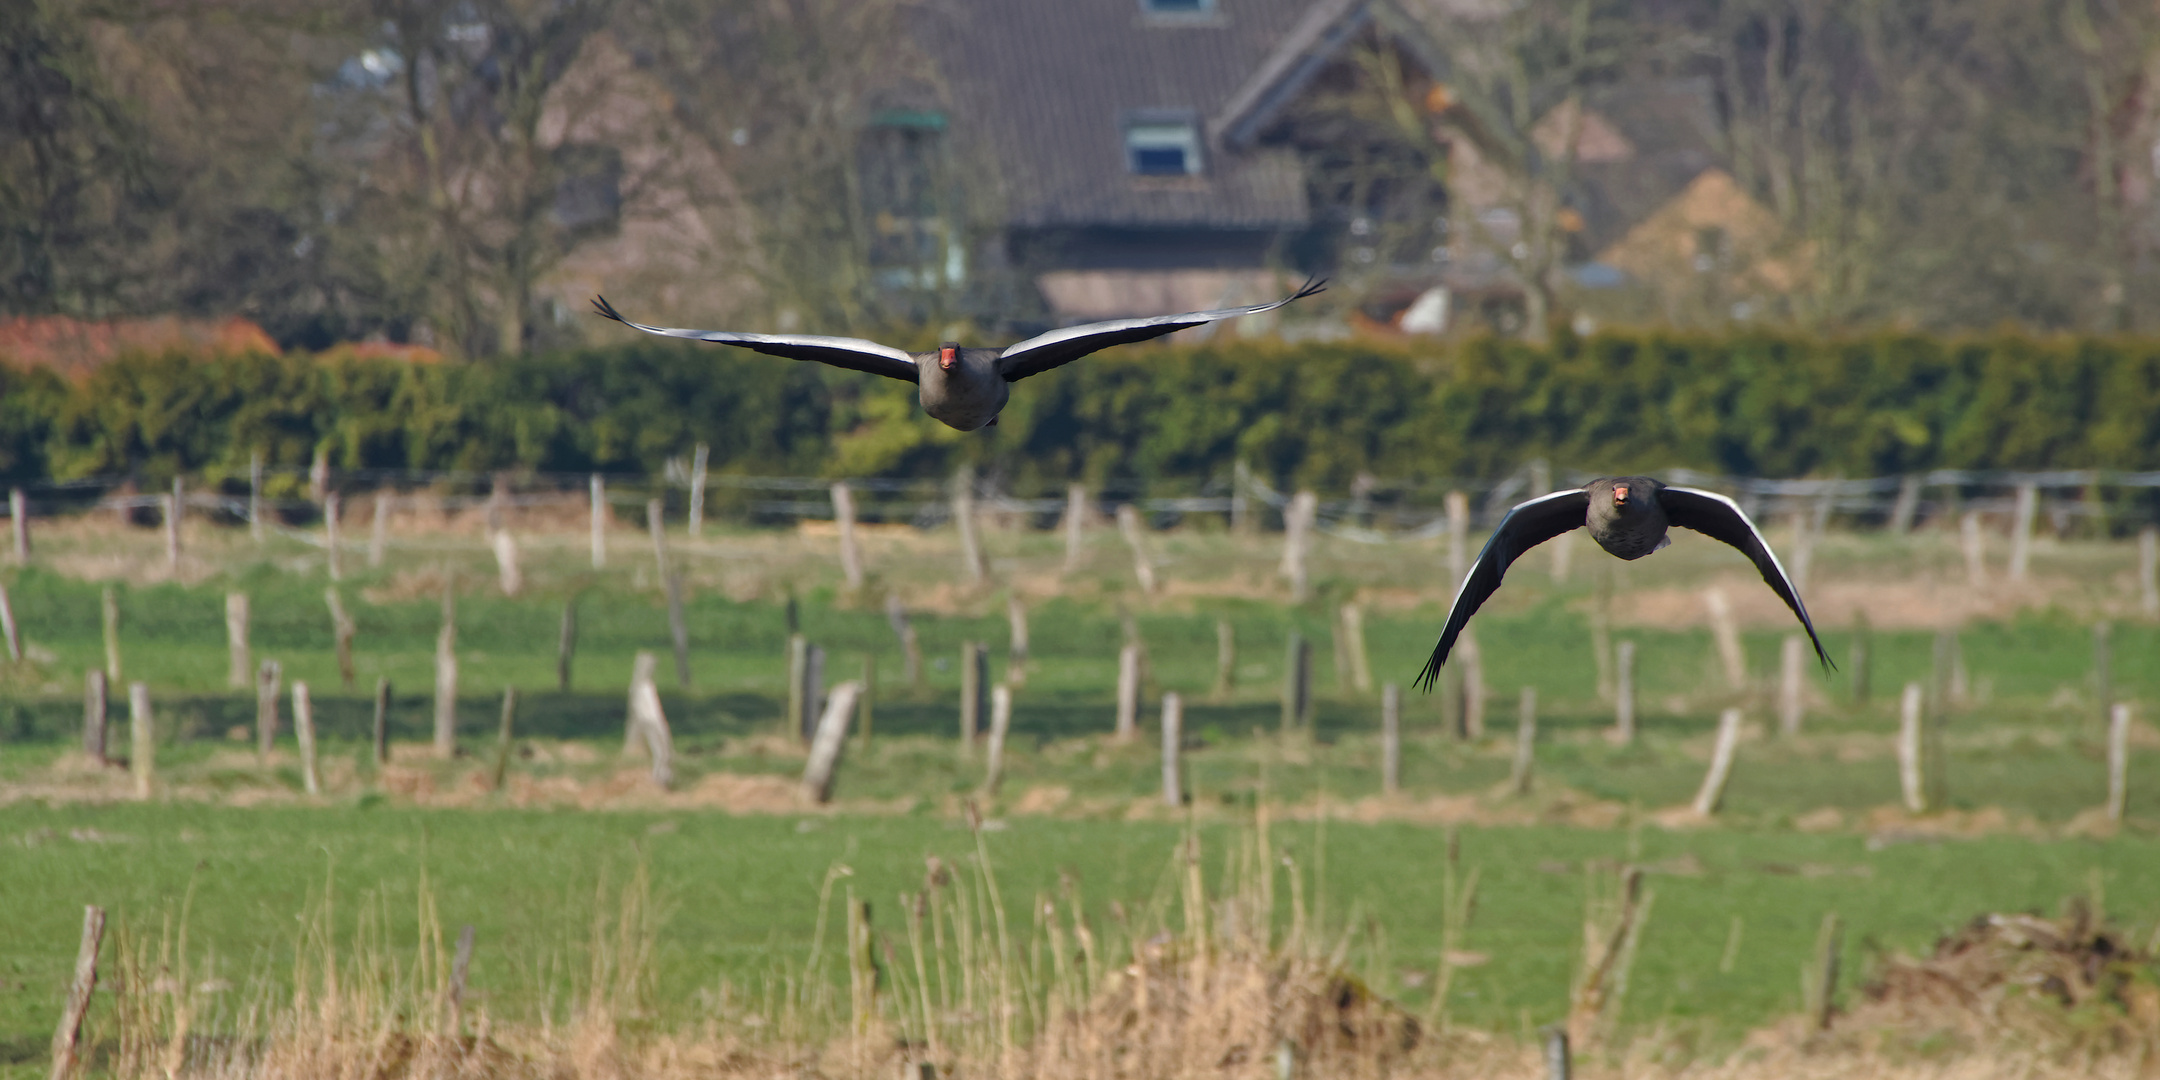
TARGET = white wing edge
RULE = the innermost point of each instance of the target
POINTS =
(1194, 318)
(725, 337)
(1471, 571)
(1798, 600)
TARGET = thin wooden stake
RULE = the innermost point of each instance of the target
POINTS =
(826, 744)
(2021, 530)
(1225, 660)
(342, 629)
(1912, 759)
(379, 530)
(1624, 694)
(8, 629)
(1001, 702)
(1128, 520)
(813, 690)
(1353, 634)
(318, 474)
(678, 629)
(1906, 507)
(974, 664)
(911, 664)
(1558, 1065)
(268, 680)
(446, 678)
(1242, 519)
(1974, 543)
(1173, 738)
(65, 1060)
(1297, 683)
(175, 504)
(109, 615)
(798, 716)
(2149, 571)
(19, 523)
(2118, 751)
(240, 666)
(698, 459)
(1519, 774)
(1076, 514)
(963, 511)
(381, 754)
(332, 506)
(1390, 739)
(2103, 670)
(1128, 693)
(648, 721)
(303, 716)
(851, 568)
(1016, 647)
(1726, 631)
(1299, 516)
(566, 646)
(1823, 973)
(1792, 668)
(1600, 620)
(596, 509)
(655, 524)
(1712, 792)
(504, 737)
(142, 739)
(255, 499)
(869, 698)
(508, 574)
(1471, 661)
(94, 714)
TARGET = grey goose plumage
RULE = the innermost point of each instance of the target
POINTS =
(963, 388)
(1629, 517)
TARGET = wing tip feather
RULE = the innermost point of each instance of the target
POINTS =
(606, 310)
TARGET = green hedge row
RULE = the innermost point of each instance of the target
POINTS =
(1758, 405)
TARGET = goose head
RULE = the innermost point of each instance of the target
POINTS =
(948, 356)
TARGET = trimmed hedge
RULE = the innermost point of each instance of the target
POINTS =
(1319, 414)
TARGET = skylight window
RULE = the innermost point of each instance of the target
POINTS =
(1160, 148)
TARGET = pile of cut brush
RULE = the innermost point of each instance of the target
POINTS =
(2065, 981)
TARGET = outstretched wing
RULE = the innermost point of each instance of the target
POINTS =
(1045, 351)
(854, 354)
(1526, 526)
(1720, 518)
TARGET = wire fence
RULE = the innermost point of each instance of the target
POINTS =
(1372, 510)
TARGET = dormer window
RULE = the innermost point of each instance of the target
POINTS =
(1159, 146)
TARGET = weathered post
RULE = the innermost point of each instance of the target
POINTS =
(1974, 543)
(332, 505)
(798, 717)
(1173, 738)
(1792, 668)
(379, 529)
(1353, 637)
(94, 713)
(1726, 631)
(2103, 670)
(1557, 1063)
(566, 646)
(1519, 773)
(1298, 519)
(1225, 660)
(2021, 529)
(648, 721)
(678, 628)
(1001, 698)
(268, 680)
(175, 505)
(843, 504)
(869, 697)
(911, 665)
(1600, 620)
(973, 660)
(1712, 792)
(19, 523)
(1241, 515)
(508, 575)
(255, 501)
(1128, 692)
(318, 474)
(698, 459)
(1016, 648)
(644, 668)
(826, 745)
(446, 678)
(1128, 520)
(303, 719)
(655, 524)
(64, 1057)
(1911, 750)
(1297, 683)
(963, 510)
(1907, 505)
(1076, 513)
(8, 629)
(1624, 694)
(596, 500)
(382, 722)
(341, 629)
(2149, 571)
(142, 739)
(504, 736)
(1821, 983)
(1472, 662)
(109, 616)
(2118, 759)
(813, 688)
(1390, 739)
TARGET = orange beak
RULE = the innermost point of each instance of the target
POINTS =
(947, 357)
(1619, 493)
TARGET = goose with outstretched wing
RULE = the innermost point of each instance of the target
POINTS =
(1628, 516)
(962, 387)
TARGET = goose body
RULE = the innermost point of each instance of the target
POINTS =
(961, 387)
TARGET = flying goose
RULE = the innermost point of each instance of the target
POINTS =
(964, 388)
(1628, 517)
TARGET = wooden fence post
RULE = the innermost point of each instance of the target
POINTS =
(1911, 750)
(813, 689)
(1016, 648)
(868, 708)
(508, 575)
(1225, 660)
(94, 713)
(826, 744)
(1792, 706)
(1726, 631)
(2118, 761)
(1001, 699)
(1353, 633)
(911, 665)
(1519, 773)
(446, 679)
(318, 474)
(963, 511)
(1558, 1065)
(1821, 983)
(648, 721)
(566, 645)
(797, 718)
(1173, 738)
(1128, 692)
(303, 721)
(381, 753)
(341, 629)
(1624, 694)
(1458, 537)
(644, 668)
(19, 523)
(8, 629)
(268, 680)
(1390, 739)
(2103, 670)
(973, 661)
(2021, 530)
(698, 459)
(255, 500)
(332, 505)
(1472, 662)
(1971, 539)
(175, 506)
(1712, 792)
(1907, 505)
(1297, 683)
(1298, 520)
(2149, 571)
(109, 616)
(655, 524)
(843, 502)
(678, 628)
(1076, 513)
(596, 499)
(504, 737)
(1600, 620)
(142, 739)
(240, 666)
(1128, 520)
(1861, 659)
(1241, 515)
(65, 1038)
(379, 529)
